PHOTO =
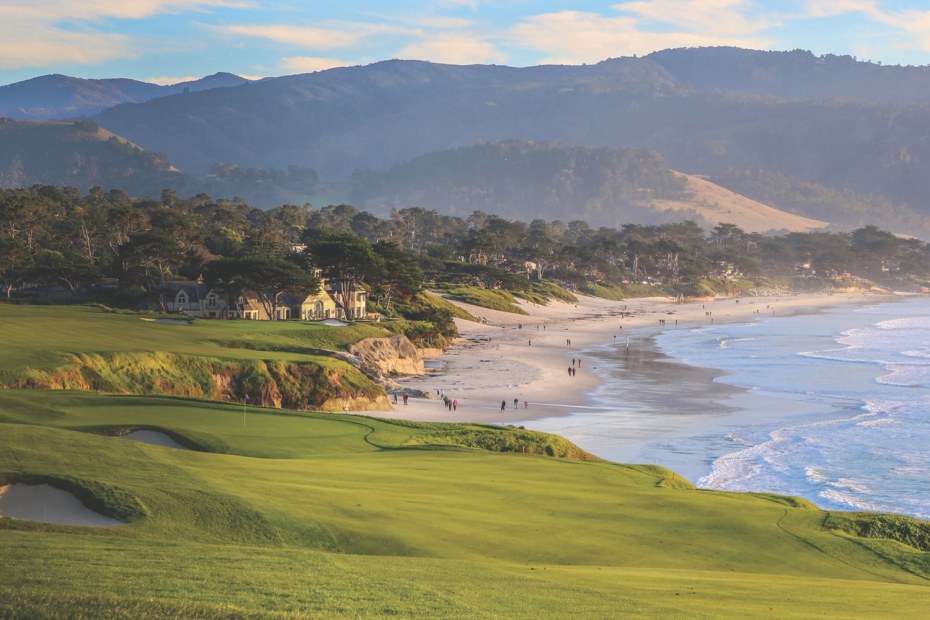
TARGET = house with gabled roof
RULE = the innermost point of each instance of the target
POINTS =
(195, 299)
(314, 307)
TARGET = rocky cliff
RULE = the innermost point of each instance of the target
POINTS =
(394, 355)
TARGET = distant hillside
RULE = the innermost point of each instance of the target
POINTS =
(844, 207)
(718, 205)
(83, 155)
(528, 180)
(830, 121)
(797, 74)
(78, 154)
(64, 97)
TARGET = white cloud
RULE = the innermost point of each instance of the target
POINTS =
(20, 49)
(62, 32)
(911, 27)
(337, 36)
(573, 37)
(713, 18)
(61, 11)
(453, 48)
(167, 80)
(832, 8)
(310, 64)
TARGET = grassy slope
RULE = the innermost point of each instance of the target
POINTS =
(305, 514)
(86, 348)
(341, 515)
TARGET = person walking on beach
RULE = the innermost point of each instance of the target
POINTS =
(405, 398)
(503, 405)
(455, 405)
(569, 371)
(516, 402)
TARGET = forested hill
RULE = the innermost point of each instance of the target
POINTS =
(78, 153)
(81, 154)
(524, 180)
(65, 97)
(797, 74)
(516, 178)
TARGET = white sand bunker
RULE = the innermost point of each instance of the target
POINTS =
(166, 321)
(46, 504)
(154, 438)
(334, 323)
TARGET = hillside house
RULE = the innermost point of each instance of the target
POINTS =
(356, 303)
(315, 307)
(194, 299)
(249, 307)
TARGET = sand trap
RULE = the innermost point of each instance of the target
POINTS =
(334, 323)
(168, 321)
(154, 438)
(46, 504)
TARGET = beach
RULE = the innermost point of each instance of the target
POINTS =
(817, 396)
(528, 357)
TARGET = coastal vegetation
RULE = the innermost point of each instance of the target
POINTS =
(59, 245)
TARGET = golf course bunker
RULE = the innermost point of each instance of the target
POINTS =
(166, 321)
(46, 504)
(154, 438)
(334, 323)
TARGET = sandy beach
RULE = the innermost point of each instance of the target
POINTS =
(528, 357)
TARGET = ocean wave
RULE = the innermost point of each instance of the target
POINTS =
(851, 500)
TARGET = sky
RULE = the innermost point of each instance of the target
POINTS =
(168, 41)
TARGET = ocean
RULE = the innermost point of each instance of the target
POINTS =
(833, 406)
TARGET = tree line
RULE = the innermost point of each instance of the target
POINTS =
(56, 235)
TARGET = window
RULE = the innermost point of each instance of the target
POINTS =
(211, 300)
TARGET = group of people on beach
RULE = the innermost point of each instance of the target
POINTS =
(516, 404)
(452, 404)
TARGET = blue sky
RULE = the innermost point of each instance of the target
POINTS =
(173, 40)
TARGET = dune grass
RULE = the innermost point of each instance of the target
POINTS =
(492, 299)
(332, 515)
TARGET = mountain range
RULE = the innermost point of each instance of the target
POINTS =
(62, 97)
(828, 137)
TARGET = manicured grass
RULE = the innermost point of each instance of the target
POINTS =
(47, 337)
(321, 514)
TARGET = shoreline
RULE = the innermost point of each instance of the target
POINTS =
(528, 357)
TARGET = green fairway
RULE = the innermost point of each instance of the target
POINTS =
(287, 363)
(45, 337)
(339, 515)
(284, 514)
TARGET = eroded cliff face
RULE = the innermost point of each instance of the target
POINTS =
(336, 386)
(389, 355)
